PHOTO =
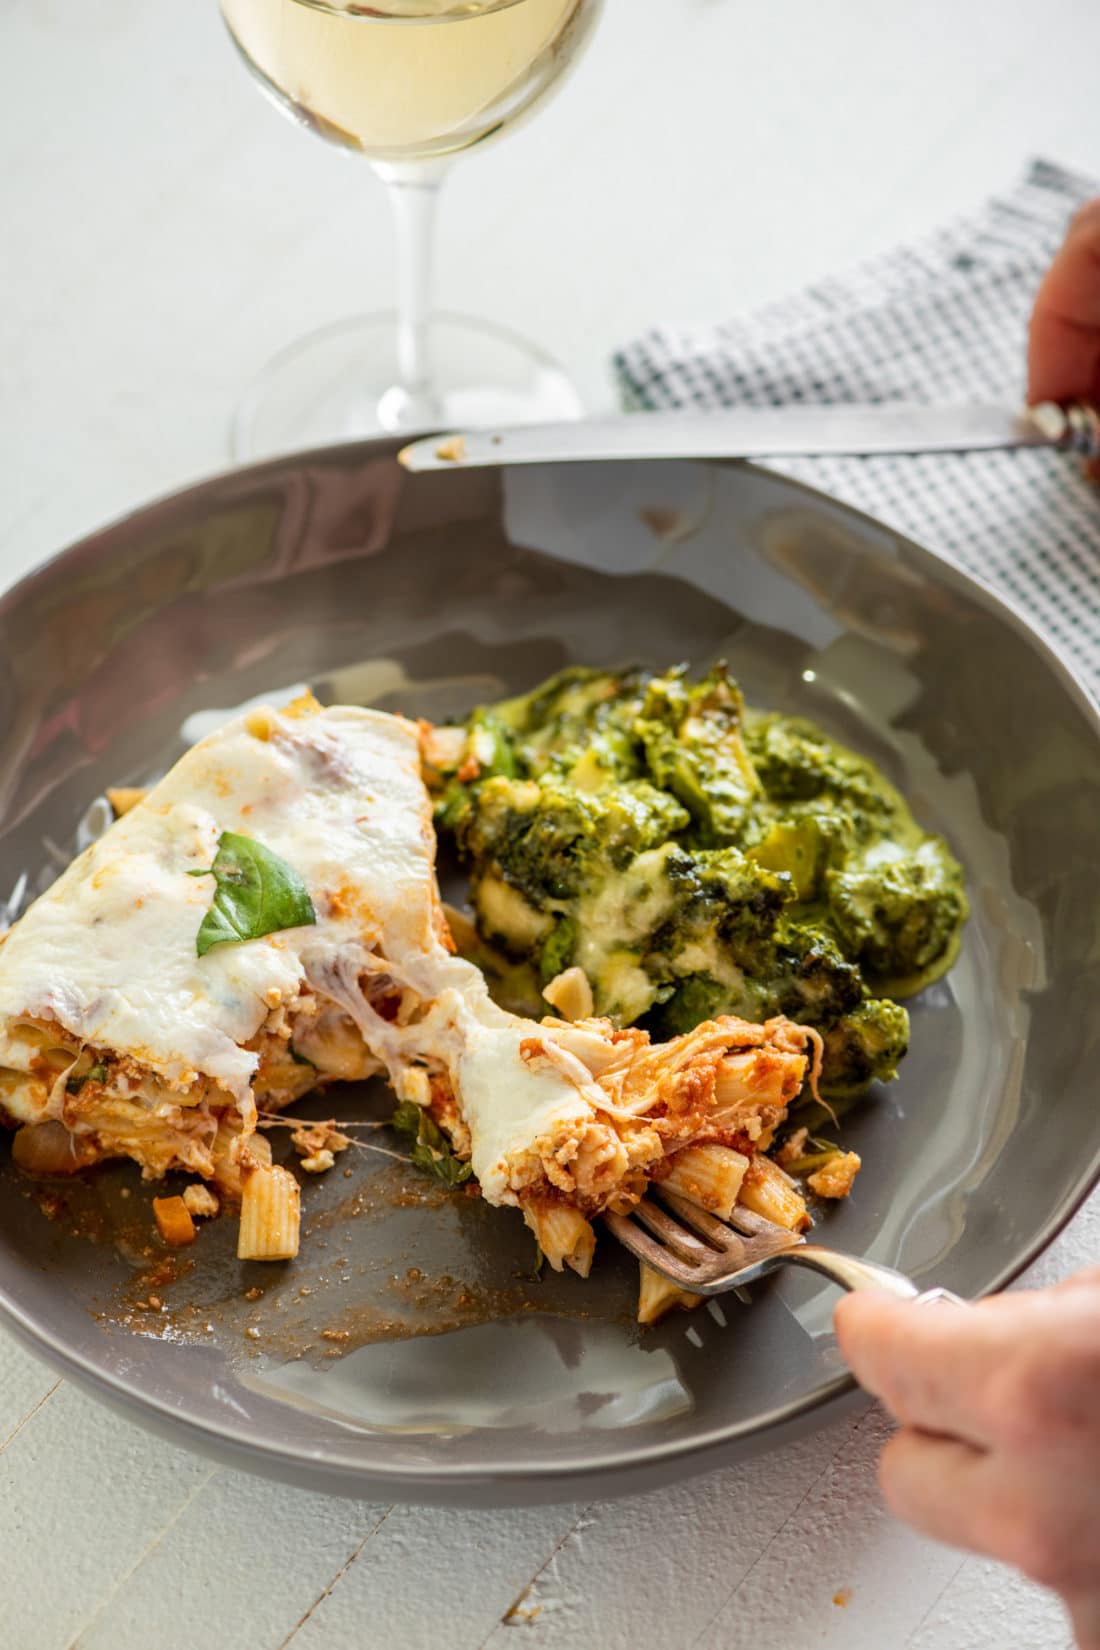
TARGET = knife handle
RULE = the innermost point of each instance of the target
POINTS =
(1074, 428)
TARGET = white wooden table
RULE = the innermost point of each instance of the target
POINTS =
(162, 232)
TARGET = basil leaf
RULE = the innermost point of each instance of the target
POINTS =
(257, 893)
(300, 1059)
(407, 1118)
(430, 1151)
(446, 1166)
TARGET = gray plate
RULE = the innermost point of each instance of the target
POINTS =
(424, 594)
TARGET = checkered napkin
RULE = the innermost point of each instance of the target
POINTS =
(943, 320)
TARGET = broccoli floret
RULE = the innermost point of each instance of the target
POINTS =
(864, 1046)
(809, 979)
(696, 998)
(569, 702)
(796, 762)
(721, 897)
(897, 917)
(789, 761)
(694, 748)
(887, 893)
(553, 842)
(713, 938)
(577, 715)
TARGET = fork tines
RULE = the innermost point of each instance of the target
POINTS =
(696, 1248)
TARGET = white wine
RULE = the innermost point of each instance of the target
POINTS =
(405, 83)
(406, 80)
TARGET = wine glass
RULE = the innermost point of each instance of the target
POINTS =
(408, 84)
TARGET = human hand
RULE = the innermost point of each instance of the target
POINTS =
(999, 1444)
(1063, 357)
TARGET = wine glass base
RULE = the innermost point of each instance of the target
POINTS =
(332, 385)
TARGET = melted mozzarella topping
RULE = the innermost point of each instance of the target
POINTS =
(109, 952)
(507, 1104)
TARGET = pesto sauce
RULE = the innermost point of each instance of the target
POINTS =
(697, 859)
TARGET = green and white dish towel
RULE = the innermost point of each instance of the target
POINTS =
(945, 319)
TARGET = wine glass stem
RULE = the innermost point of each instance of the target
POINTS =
(412, 403)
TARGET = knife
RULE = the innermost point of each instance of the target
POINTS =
(769, 432)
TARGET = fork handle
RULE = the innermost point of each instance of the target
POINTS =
(852, 1273)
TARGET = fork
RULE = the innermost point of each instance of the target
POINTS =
(707, 1256)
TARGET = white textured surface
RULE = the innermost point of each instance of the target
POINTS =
(163, 233)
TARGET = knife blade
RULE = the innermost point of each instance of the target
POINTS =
(759, 432)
